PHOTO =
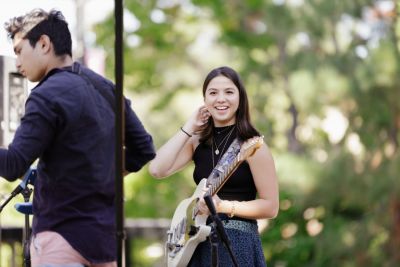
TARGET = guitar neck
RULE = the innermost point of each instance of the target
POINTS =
(219, 181)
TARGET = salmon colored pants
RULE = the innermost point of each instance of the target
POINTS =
(50, 249)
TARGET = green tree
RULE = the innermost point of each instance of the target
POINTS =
(322, 77)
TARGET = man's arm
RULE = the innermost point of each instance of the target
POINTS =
(139, 147)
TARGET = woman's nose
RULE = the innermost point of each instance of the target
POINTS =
(220, 97)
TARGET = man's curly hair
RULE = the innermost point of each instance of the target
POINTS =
(38, 22)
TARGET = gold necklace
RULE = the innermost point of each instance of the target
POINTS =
(225, 139)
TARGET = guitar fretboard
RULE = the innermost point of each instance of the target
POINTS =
(225, 167)
(216, 182)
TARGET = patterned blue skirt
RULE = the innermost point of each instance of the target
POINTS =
(245, 243)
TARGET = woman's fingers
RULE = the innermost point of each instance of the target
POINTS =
(204, 115)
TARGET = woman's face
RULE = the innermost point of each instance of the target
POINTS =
(222, 100)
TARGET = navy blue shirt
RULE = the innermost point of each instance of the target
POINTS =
(69, 125)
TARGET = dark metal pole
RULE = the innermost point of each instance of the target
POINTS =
(119, 126)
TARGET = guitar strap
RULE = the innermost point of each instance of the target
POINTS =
(225, 161)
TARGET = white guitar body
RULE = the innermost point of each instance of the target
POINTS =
(187, 230)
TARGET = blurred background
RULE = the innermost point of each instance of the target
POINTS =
(323, 82)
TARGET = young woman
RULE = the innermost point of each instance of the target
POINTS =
(250, 193)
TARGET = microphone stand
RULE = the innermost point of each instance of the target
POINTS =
(217, 224)
(15, 192)
(26, 192)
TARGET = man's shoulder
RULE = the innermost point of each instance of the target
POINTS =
(96, 76)
(58, 86)
(58, 80)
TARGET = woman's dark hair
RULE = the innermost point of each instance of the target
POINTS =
(39, 22)
(245, 129)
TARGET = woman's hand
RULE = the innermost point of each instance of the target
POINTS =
(204, 208)
(197, 119)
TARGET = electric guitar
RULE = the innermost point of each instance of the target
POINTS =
(188, 227)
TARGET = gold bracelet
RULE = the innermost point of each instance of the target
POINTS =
(232, 210)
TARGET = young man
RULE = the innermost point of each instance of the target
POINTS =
(69, 125)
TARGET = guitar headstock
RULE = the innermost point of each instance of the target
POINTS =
(250, 146)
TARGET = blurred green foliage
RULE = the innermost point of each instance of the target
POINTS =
(324, 87)
(323, 82)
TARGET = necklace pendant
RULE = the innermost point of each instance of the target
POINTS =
(216, 151)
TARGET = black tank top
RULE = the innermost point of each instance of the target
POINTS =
(240, 185)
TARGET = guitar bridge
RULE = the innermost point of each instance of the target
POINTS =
(171, 245)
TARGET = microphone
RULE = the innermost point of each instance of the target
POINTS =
(29, 178)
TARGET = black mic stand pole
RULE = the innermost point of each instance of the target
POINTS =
(220, 230)
(26, 193)
(214, 246)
